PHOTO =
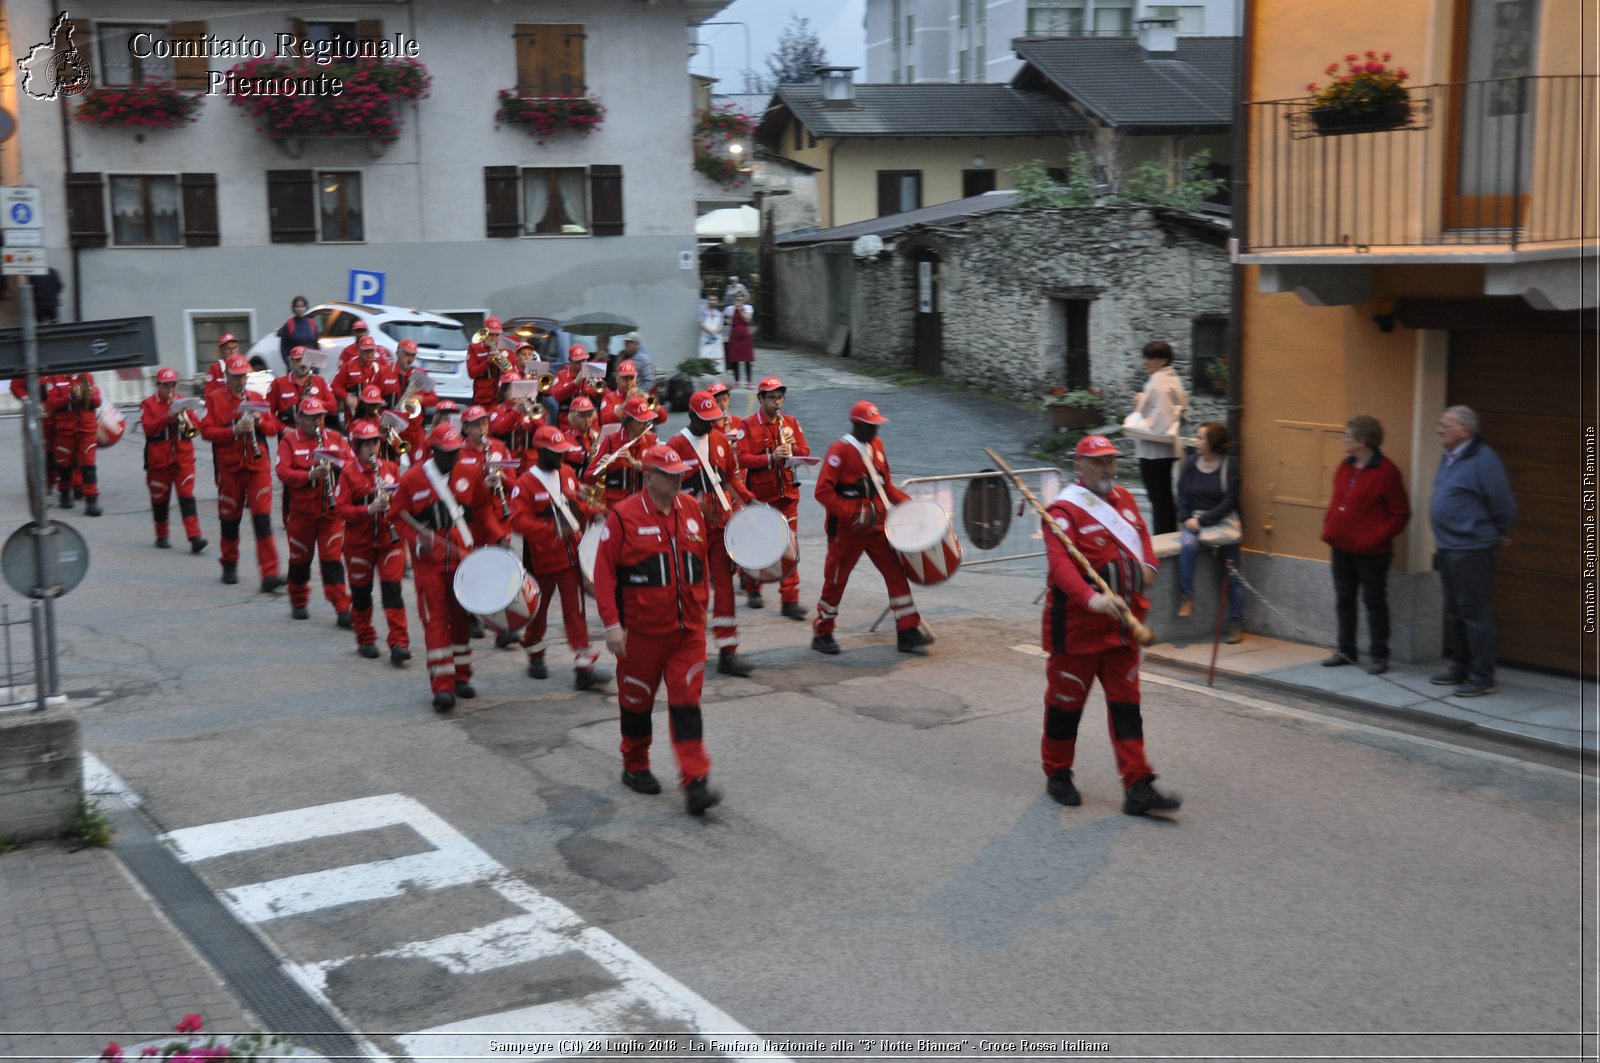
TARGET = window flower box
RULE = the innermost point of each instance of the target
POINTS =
(368, 107)
(722, 145)
(1368, 95)
(1075, 409)
(151, 105)
(547, 116)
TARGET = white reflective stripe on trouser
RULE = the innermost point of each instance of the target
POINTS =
(585, 657)
(904, 610)
(726, 642)
(537, 649)
(827, 609)
(904, 599)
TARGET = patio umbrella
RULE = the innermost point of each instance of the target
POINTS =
(600, 324)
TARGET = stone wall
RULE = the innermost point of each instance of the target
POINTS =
(805, 310)
(41, 772)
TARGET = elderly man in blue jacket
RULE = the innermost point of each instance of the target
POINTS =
(1471, 512)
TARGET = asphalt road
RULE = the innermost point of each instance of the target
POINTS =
(885, 862)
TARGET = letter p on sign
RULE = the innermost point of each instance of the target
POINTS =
(366, 286)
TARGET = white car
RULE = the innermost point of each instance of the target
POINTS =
(441, 341)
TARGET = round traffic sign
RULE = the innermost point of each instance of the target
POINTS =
(21, 213)
(19, 558)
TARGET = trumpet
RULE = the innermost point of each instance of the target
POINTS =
(547, 381)
(395, 443)
(409, 403)
(187, 429)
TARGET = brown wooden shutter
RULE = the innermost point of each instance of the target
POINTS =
(189, 71)
(369, 29)
(501, 207)
(199, 209)
(291, 206)
(550, 60)
(86, 209)
(83, 39)
(605, 200)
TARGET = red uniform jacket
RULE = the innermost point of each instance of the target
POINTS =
(698, 483)
(233, 452)
(353, 376)
(358, 487)
(416, 497)
(427, 399)
(768, 480)
(1068, 625)
(552, 542)
(351, 353)
(216, 378)
(288, 390)
(295, 462)
(1368, 508)
(624, 476)
(844, 488)
(590, 442)
(164, 445)
(481, 369)
(650, 572)
(610, 405)
(72, 418)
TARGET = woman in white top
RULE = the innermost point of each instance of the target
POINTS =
(1162, 404)
(712, 325)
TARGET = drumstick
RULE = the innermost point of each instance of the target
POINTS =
(1141, 634)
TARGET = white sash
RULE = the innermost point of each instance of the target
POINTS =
(865, 450)
(1106, 513)
(441, 487)
(556, 496)
(702, 447)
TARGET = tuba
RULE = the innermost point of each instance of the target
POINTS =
(418, 382)
(499, 358)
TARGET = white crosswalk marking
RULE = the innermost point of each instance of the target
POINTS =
(644, 998)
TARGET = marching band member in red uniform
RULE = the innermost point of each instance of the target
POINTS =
(298, 383)
(650, 588)
(480, 363)
(475, 433)
(1083, 631)
(371, 547)
(367, 370)
(169, 460)
(244, 475)
(313, 524)
(611, 402)
(858, 496)
(352, 350)
(77, 442)
(625, 475)
(435, 510)
(19, 388)
(583, 430)
(573, 380)
(547, 513)
(770, 439)
(721, 492)
(217, 372)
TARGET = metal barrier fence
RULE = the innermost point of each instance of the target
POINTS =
(20, 685)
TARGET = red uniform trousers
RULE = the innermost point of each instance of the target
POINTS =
(445, 625)
(1068, 678)
(247, 489)
(324, 536)
(724, 612)
(573, 616)
(388, 564)
(77, 449)
(789, 589)
(844, 550)
(161, 480)
(680, 659)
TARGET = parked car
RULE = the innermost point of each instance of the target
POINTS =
(441, 341)
(544, 333)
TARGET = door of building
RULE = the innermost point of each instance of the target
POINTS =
(1524, 387)
(1490, 114)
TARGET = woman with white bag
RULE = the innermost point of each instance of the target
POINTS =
(1208, 492)
(1153, 425)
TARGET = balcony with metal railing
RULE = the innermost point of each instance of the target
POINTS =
(1470, 172)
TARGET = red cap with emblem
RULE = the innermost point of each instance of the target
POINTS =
(312, 407)
(444, 437)
(297, 354)
(474, 413)
(406, 347)
(663, 458)
(549, 437)
(226, 338)
(716, 388)
(362, 431)
(167, 376)
(510, 376)
(772, 383)
(627, 369)
(865, 412)
(1094, 447)
(581, 404)
(371, 395)
(704, 406)
(492, 324)
(238, 364)
(367, 343)
(638, 408)
(576, 352)
(358, 326)
(445, 406)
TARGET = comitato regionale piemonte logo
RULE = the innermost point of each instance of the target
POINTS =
(55, 68)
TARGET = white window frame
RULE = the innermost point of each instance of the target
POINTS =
(111, 214)
(522, 203)
(359, 171)
(97, 31)
(190, 316)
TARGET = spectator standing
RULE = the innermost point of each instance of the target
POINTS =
(47, 297)
(298, 331)
(1208, 493)
(1366, 512)
(1161, 406)
(712, 326)
(741, 345)
(734, 287)
(1471, 511)
(633, 350)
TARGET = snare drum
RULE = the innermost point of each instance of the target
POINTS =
(492, 584)
(588, 550)
(109, 424)
(761, 543)
(921, 533)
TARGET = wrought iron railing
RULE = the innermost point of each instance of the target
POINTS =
(1507, 162)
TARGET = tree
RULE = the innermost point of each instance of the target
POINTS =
(798, 55)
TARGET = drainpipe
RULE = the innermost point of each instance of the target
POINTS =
(1240, 214)
(66, 156)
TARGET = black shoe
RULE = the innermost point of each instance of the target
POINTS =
(825, 644)
(66, 499)
(230, 573)
(536, 668)
(300, 612)
(399, 655)
(506, 639)
(755, 601)
(641, 782)
(1448, 678)
(465, 692)
(197, 544)
(444, 701)
(77, 492)
(272, 584)
(698, 797)
(912, 640)
(1378, 666)
(345, 620)
(475, 628)
(163, 544)
(1472, 688)
(795, 611)
(1142, 797)
(1338, 660)
(1061, 789)
(92, 507)
(730, 663)
(369, 651)
(588, 678)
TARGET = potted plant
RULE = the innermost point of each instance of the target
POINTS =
(151, 105)
(721, 145)
(544, 116)
(367, 106)
(1216, 371)
(1367, 96)
(1083, 408)
(686, 380)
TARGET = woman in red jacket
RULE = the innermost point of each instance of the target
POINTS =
(1367, 511)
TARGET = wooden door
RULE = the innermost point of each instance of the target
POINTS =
(1489, 109)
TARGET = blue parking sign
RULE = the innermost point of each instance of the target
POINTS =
(366, 286)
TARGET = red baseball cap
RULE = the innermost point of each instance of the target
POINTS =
(367, 343)
(704, 406)
(167, 376)
(362, 431)
(492, 324)
(358, 326)
(371, 395)
(772, 383)
(406, 347)
(445, 406)
(549, 437)
(237, 364)
(474, 413)
(227, 337)
(444, 437)
(865, 412)
(296, 354)
(510, 376)
(627, 369)
(581, 404)
(663, 458)
(576, 351)
(638, 408)
(1094, 447)
(716, 388)
(312, 407)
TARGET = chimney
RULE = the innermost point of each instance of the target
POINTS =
(1158, 38)
(838, 85)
